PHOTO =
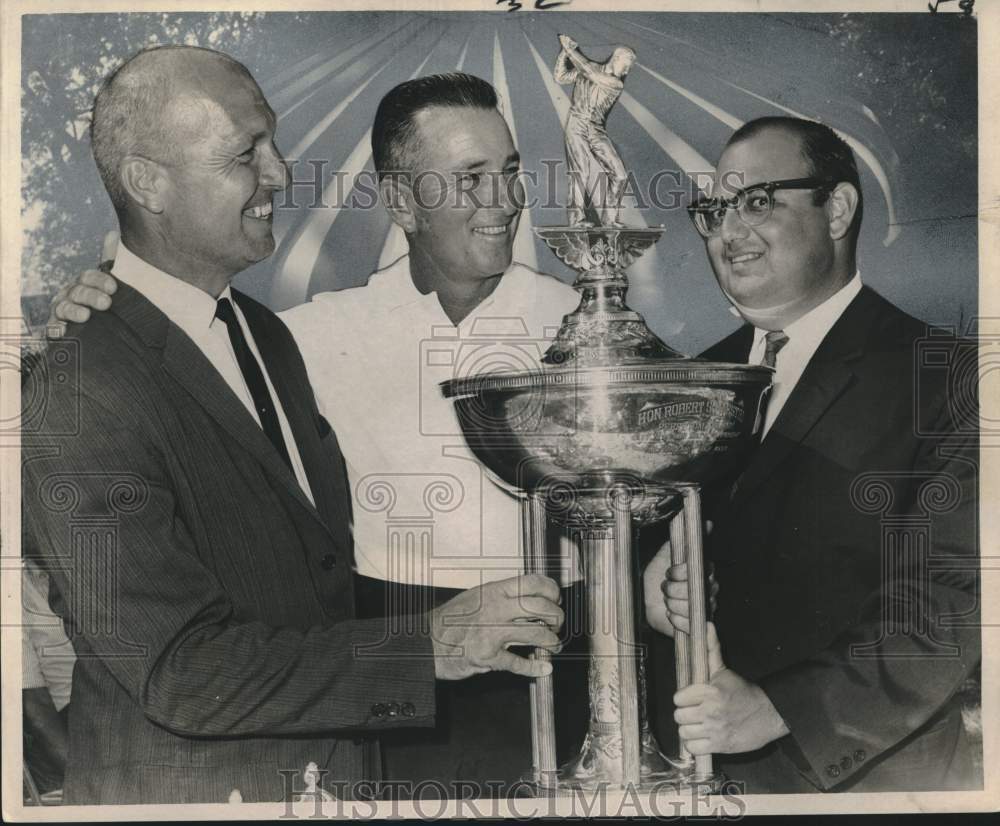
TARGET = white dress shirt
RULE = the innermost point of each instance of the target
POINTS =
(804, 337)
(193, 310)
(425, 510)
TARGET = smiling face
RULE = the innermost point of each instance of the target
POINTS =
(218, 204)
(466, 197)
(787, 261)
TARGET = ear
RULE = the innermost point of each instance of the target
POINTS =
(841, 206)
(397, 198)
(145, 182)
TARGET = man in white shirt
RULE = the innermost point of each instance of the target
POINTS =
(846, 549)
(428, 520)
(220, 649)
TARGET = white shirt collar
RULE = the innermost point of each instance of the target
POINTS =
(810, 329)
(397, 280)
(804, 337)
(189, 307)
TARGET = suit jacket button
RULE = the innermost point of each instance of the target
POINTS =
(846, 763)
(408, 709)
(329, 562)
(833, 770)
(860, 756)
(393, 709)
(378, 710)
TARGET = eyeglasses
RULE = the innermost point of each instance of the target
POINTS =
(752, 203)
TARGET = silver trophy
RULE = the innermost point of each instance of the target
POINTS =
(615, 431)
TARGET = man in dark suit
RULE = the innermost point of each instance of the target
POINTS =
(846, 550)
(190, 502)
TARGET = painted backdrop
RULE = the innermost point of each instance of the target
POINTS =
(901, 88)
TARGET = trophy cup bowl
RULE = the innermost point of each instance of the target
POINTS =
(585, 427)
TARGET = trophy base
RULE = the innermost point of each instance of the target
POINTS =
(598, 767)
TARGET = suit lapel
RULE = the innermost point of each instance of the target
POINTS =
(189, 367)
(192, 370)
(303, 418)
(825, 378)
(734, 348)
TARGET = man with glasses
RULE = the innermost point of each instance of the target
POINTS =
(845, 647)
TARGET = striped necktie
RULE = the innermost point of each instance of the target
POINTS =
(773, 342)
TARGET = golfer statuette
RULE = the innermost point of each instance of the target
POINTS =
(597, 175)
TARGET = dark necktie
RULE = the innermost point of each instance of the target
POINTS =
(254, 378)
(773, 342)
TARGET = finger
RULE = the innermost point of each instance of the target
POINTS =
(696, 731)
(715, 663)
(530, 634)
(537, 609)
(68, 311)
(508, 661)
(58, 298)
(689, 715)
(89, 297)
(692, 695)
(675, 590)
(700, 746)
(680, 622)
(61, 295)
(109, 247)
(678, 606)
(678, 572)
(531, 585)
(99, 280)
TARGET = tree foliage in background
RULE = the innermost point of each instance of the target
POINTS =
(895, 61)
(61, 73)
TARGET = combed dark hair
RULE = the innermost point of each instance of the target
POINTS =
(394, 133)
(828, 155)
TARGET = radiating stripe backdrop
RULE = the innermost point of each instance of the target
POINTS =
(697, 78)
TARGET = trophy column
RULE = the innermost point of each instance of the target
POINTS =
(543, 724)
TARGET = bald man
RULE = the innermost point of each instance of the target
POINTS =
(191, 502)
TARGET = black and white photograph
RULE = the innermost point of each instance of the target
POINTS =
(499, 409)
